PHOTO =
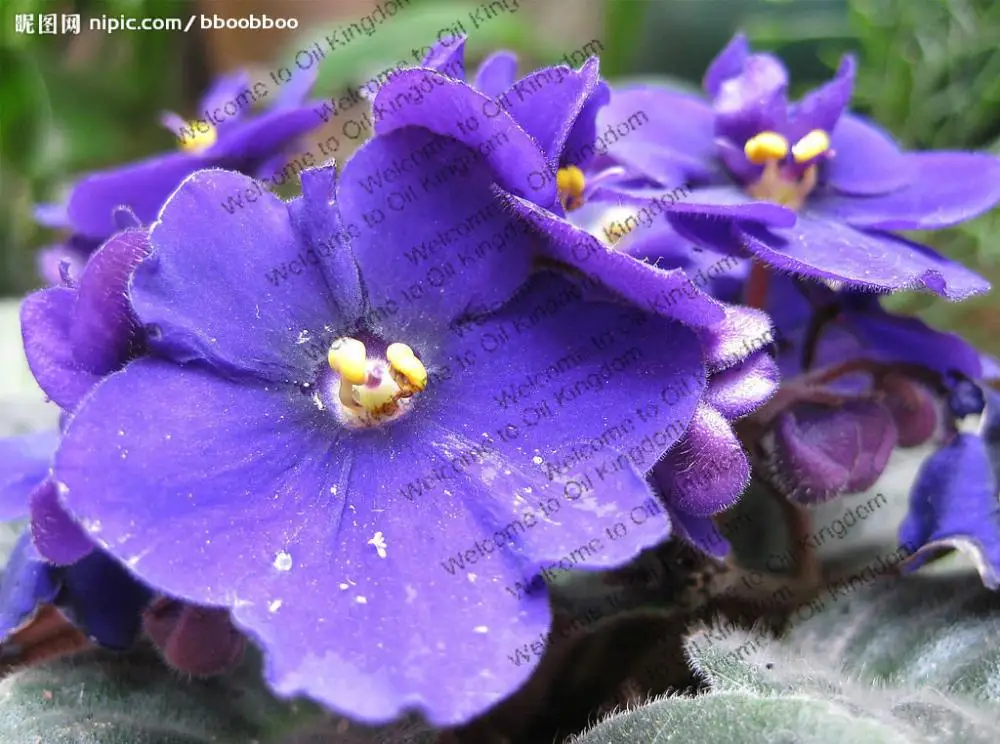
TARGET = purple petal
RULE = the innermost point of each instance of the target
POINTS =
(700, 532)
(580, 372)
(822, 248)
(744, 331)
(821, 108)
(46, 324)
(740, 390)
(822, 451)
(433, 254)
(671, 294)
(447, 57)
(256, 140)
(319, 223)
(141, 186)
(244, 319)
(496, 73)
(24, 584)
(548, 102)
(754, 101)
(579, 147)
(945, 188)
(51, 215)
(731, 203)
(24, 463)
(865, 160)
(226, 89)
(708, 470)
(57, 537)
(295, 92)
(662, 133)
(322, 535)
(727, 64)
(914, 409)
(103, 599)
(103, 327)
(954, 504)
(896, 338)
(441, 105)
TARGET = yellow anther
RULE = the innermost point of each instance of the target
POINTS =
(403, 361)
(570, 180)
(199, 140)
(815, 143)
(764, 147)
(349, 359)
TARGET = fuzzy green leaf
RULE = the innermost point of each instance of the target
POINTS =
(103, 698)
(912, 660)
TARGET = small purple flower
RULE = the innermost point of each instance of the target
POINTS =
(805, 188)
(223, 136)
(955, 502)
(365, 464)
(97, 594)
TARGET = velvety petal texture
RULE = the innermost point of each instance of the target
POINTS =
(547, 403)
(819, 452)
(836, 203)
(24, 463)
(24, 584)
(955, 504)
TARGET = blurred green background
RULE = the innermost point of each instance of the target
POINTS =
(929, 72)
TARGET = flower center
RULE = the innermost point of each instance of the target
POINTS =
(198, 141)
(783, 182)
(570, 183)
(373, 391)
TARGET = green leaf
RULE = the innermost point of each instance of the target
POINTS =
(398, 41)
(913, 661)
(105, 698)
(623, 23)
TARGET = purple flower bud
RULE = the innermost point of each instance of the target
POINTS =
(819, 451)
(197, 640)
(913, 407)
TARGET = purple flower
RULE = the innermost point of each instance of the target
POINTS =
(858, 382)
(805, 188)
(537, 135)
(96, 593)
(955, 502)
(223, 135)
(364, 458)
(74, 335)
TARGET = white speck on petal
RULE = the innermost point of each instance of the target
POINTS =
(379, 542)
(472, 577)
(94, 526)
(283, 561)
(537, 460)
(360, 599)
(344, 586)
(333, 490)
(481, 629)
(275, 605)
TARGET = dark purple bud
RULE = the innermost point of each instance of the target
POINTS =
(966, 399)
(913, 407)
(196, 640)
(817, 452)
